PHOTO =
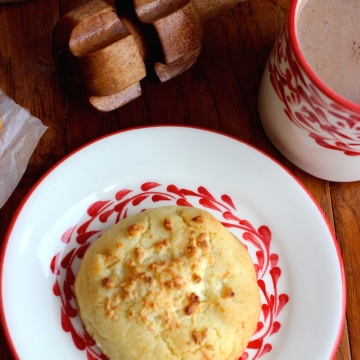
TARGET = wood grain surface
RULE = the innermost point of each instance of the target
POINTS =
(218, 92)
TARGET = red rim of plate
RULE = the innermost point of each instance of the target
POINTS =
(34, 187)
(291, 24)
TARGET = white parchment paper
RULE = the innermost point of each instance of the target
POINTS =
(19, 136)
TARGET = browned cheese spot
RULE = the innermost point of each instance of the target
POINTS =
(107, 303)
(193, 304)
(198, 219)
(157, 265)
(110, 258)
(139, 254)
(191, 250)
(134, 229)
(175, 283)
(110, 314)
(227, 292)
(162, 244)
(202, 243)
(167, 224)
(196, 278)
(109, 282)
(199, 336)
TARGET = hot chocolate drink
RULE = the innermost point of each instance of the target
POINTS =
(329, 36)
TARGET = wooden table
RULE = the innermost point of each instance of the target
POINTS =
(219, 92)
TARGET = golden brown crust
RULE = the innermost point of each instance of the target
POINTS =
(169, 283)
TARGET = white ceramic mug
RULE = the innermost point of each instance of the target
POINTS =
(310, 124)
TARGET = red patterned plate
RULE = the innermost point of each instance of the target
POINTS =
(297, 260)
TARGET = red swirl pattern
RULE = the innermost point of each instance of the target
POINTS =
(105, 213)
(331, 125)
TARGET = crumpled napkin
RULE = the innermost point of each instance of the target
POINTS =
(19, 136)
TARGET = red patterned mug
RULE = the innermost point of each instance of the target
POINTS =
(313, 126)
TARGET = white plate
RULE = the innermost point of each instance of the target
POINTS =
(300, 271)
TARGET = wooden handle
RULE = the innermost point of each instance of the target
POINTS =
(102, 55)
(179, 31)
(208, 9)
(98, 57)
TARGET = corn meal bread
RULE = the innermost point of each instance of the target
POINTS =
(168, 283)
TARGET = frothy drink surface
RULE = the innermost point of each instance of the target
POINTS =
(329, 36)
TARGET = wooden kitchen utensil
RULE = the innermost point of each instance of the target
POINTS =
(103, 51)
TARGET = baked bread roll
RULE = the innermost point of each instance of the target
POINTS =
(168, 283)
